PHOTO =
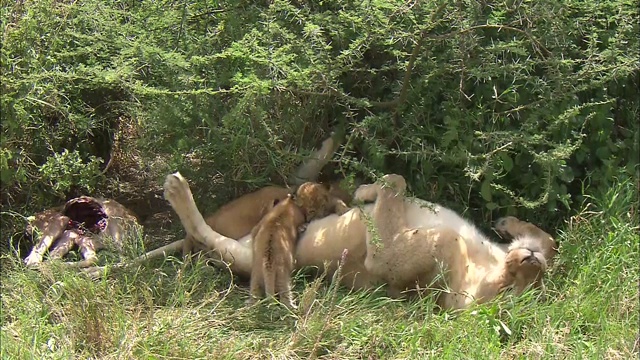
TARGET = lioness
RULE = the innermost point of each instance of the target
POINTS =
(473, 264)
(237, 218)
(407, 257)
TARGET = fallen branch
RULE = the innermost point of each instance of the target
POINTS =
(98, 271)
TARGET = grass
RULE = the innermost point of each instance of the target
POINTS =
(166, 310)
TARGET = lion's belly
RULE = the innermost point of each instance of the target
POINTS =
(423, 214)
(326, 240)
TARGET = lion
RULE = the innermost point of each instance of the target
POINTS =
(319, 200)
(274, 239)
(237, 218)
(85, 222)
(426, 244)
(407, 257)
(510, 227)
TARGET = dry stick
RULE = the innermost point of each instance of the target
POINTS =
(98, 271)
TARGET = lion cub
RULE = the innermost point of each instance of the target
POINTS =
(318, 201)
(275, 237)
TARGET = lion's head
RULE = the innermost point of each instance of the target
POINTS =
(314, 199)
(525, 264)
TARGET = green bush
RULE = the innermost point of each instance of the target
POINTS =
(492, 108)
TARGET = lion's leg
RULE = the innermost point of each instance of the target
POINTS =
(311, 167)
(187, 246)
(65, 243)
(395, 292)
(236, 254)
(283, 286)
(339, 207)
(388, 212)
(366, 193)
(390, 233)
(269, 277)
(87, 250)
(256, 286)
(518, 230)
(53, 229)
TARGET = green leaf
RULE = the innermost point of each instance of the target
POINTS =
(505, 327)
(507, 163)
(485, 190)
(491, 206)
(603, 153)
(567, 175)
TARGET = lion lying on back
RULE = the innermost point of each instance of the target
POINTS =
(407, 257)
(275, 236)
(412, 244)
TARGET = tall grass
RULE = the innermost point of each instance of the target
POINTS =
(165, 309)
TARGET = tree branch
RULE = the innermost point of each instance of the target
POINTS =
(412, 59)
(537, 47)
(406, 80)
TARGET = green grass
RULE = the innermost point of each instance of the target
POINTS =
(165, 310)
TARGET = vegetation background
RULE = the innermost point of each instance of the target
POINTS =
(526, 108)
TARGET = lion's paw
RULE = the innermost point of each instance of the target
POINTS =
(395, 181)
(508, 227)
(34, 259)
(522, 232)
(250, 301)
(366, 193)
(176, 188)
(291, 305)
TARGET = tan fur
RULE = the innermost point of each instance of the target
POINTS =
(337, 192)
(406, 243)
(274, 240)
(512, 228)
(318, 201)
(234, 221)
(51, 224)
(407, 258)
(237, 218)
